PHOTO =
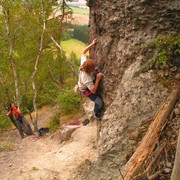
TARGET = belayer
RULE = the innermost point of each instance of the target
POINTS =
(19, 119)
(88, 83)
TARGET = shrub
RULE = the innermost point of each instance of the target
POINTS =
(167, 49)
(54, 123)
(4, 122)
(68, 100)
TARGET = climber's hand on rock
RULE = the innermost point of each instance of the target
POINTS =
(94, 41)
(99, 75)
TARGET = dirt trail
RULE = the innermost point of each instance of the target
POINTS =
(47, 158)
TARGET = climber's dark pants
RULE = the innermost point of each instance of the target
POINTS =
(98, 102)
(21, 120)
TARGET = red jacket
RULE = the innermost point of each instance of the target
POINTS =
(16, 114)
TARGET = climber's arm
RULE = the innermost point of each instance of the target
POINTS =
(8, 113)
(89, 46)
(98, 78)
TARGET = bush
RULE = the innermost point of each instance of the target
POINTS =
(167, 49)
(4, 122)
(68, 100)
(54, 122)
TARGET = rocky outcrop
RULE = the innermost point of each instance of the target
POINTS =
(131, 96)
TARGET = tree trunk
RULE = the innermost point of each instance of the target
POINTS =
(6, 18)
(64, 57)
(176, 169)
(36, 69)
(149, 141)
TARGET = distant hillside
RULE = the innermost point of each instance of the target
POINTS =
(80, 15)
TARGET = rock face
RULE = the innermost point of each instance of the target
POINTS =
(131, 97)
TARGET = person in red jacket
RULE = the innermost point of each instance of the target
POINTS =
(19, 119)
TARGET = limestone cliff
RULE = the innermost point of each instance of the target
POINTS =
(131, 95)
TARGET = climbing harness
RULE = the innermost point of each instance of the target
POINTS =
(85, 93)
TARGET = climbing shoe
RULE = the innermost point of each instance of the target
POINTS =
(96, 116)
(85, 122)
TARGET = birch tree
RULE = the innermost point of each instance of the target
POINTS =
(36, 66)
(6, 12)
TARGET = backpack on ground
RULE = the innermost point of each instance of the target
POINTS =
(43, 131)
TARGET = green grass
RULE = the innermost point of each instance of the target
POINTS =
(80, 10)
(6, 147)
(73, 45)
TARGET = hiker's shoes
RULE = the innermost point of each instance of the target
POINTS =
(96, 116)
(85, 122)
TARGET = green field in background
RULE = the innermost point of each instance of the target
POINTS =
(73, 45)
(80, 10)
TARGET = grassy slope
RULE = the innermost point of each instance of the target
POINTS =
(73, 45)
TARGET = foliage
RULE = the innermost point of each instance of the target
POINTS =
(54, 122)
(167, 48)
(4, 122)
(75, 60)
(68, 100)
(67, 34)
(79, 32)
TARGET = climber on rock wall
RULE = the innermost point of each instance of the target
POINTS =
(88, 83)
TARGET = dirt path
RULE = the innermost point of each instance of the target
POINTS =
(46, 158)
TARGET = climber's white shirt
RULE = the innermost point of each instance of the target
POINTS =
(83, 59)
(85, 80)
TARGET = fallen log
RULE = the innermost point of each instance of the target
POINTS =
(151, 138)
(152, 162)
(176, 168)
